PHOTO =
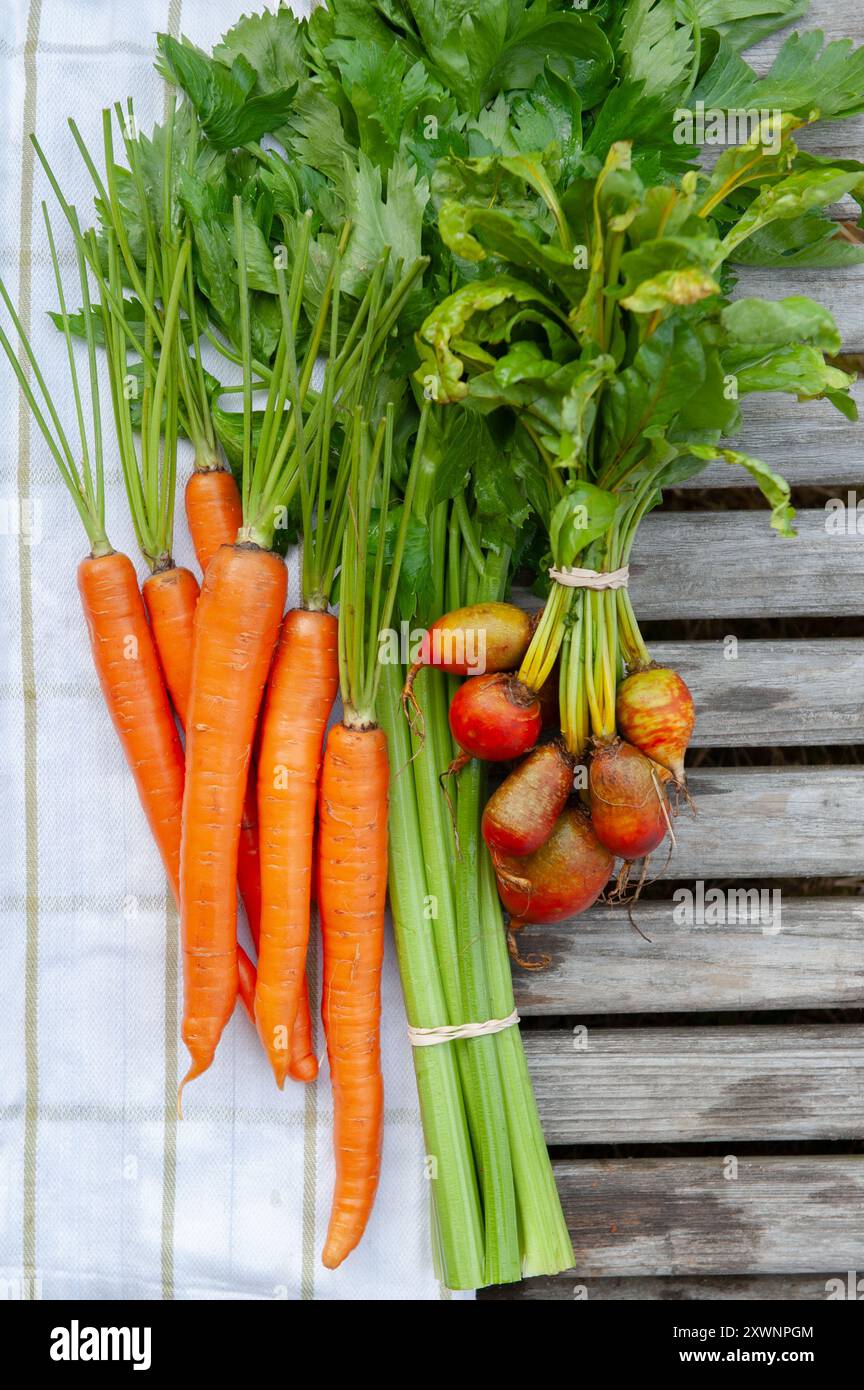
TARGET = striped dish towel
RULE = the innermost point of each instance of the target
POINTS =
(103, 1193)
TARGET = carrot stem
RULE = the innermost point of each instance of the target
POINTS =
(89, 500)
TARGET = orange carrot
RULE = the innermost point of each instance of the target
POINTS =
(353, 842)
(353, 885)
(127, 664)
(171, 596)
(236, 628)
(304, 1063)
(300, 695)
(213, 512)
(215, 515)
(246, 982)
(249, 859)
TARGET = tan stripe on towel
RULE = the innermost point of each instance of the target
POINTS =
(172, 955)
(310, 1128)
(28, 677)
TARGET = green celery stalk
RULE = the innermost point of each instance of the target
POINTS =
(485, 1117)
(479, 1111)
(453, 1177)
(460, 960)
(546, 1245)
(493, 1149)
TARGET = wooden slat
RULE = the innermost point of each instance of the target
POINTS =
(768, 822)
(771, 823)
(790, 1288)
(840, 290)
(732, 565)
(698, 1085)
(600, 965)
(772, 694)
(683, 1217)
(808, 442)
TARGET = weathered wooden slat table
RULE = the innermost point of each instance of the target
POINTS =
(818, 963)
(611, 1085)
(833, 456)
(694, 1042)
(687, 1217)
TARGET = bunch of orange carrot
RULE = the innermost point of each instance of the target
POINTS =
(234, 672)
(245, 656)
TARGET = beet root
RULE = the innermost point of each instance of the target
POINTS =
(628, 803)
(655, 713)
(484, 637)
(563, 877)
(520, 815)
(471, 641)
(495, 717)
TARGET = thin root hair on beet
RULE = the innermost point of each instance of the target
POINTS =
(538, 960)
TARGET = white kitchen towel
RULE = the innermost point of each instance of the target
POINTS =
(103, 1193)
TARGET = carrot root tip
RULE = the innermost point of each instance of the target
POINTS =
(280, 1071)
(332, 1256)
(305, 1069)
(196, 1069)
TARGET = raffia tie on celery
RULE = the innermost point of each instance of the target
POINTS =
(591, 579)
(431, 1037)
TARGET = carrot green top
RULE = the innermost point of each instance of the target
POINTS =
(84, 479)
(365, 606)
(146, 394)
(301, 430)
(150, 481)
(149, 261)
